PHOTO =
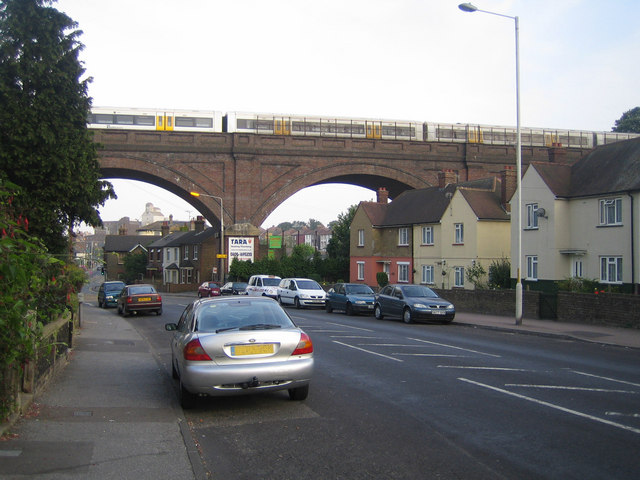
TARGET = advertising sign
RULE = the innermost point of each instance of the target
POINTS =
(241, 248)
(275, 241)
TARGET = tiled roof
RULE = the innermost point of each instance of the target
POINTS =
(124, 243)
(485, 204)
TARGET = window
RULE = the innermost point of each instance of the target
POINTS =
(403, 236)
(361, 238)
(577, 269)
(186, 252)
(195, 252)
(611, 211)
(458, 278)
(532, 215)
(611, 269)
(427, 235)
(427, 274)
(168, 252)
(532, 267)
(403, 272)
(360, 270)
(459, 233)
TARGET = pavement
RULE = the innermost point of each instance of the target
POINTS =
(112, 413)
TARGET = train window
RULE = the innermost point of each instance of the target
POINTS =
(246, 124)
(200, 122)
(102, 118)
(148, 120)
(124, 119)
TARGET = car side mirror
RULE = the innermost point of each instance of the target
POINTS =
(171, 327)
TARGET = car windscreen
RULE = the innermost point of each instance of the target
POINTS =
(270, 282)
(115, 287)
(141, 290)
(359, 290)
(308, 285)
(418, 291)
(219, 316)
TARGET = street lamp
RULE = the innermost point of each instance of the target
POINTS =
(468, 7)
(196, 194)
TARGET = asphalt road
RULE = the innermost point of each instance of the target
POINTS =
(396, 401)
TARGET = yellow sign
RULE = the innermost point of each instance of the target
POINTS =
(221, 255)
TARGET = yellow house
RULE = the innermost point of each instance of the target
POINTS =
(473, 230)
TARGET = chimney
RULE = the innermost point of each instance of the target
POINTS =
(446, 177)
(199, 224)
(508, 187)
(122, 230)
(164, 228)
(383, 195)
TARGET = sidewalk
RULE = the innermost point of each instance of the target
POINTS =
(623, 337)
(111, 414)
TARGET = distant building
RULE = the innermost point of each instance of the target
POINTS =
(151, 214)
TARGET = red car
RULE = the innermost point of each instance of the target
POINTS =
(209, 289)
(139, 298)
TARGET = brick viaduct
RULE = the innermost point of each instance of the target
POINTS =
(254, 174)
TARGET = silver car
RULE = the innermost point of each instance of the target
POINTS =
(239, 345)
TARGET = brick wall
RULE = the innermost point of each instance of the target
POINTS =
(603, 309)
(492, 302)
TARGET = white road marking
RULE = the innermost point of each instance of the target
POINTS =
(562, 387)
(551, 405)
(502, 369)
(428, 355)
(607, 378)
(454, 347)
(618, 414)
(350, 326)
(368, 351)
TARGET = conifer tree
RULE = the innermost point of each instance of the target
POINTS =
(45, 146)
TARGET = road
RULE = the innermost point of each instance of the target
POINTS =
(396, 401)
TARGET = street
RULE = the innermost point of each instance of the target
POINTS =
(390, 400)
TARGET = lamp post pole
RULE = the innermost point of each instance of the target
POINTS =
(468, 7)
(196, 194)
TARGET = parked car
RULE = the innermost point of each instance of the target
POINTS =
(413, 303)
(351, 297)
(108, 294)
(209, 289)
(239, 345)
(234, 288)
(139, 298)
(301, 292)
(263, 286)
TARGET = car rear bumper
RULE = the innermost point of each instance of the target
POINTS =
(216, 380)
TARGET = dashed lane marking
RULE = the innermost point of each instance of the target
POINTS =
(454, 347)
(368, 351)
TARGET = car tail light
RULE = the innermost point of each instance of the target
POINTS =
(194, 352)
(304, 345)
(159, 298)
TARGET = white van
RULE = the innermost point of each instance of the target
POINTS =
(263, 286)
(301, 292)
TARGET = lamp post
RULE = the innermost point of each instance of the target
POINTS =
(196, 194)
(468, 7)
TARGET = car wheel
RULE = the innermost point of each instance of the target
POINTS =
(125, 312)
(159, 312)
(174, 372)
(199, 295)
(406, 316)
(187, 399)
(300, 393)
(296, 301)
(348, 309)
(328, 307)
(378, 313)
(119, 310)
(280, 300)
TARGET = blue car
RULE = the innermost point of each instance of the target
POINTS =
(108, 294)
(413, 303)
(351, 297)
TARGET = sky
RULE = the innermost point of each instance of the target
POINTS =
(423, 60)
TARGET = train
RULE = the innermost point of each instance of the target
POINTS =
(281, 124)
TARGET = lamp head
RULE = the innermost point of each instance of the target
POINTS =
(195, 194)
(467, 7)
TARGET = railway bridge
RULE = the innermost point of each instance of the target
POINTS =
(254, 174)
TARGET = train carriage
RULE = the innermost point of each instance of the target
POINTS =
(151, 119)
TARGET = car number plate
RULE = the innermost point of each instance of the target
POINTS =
(438, 312)
(144, 299)
(239, 350)
(370, 307)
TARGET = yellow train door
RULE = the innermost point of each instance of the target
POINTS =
(164, 121)
(374, 129)
(282, 126)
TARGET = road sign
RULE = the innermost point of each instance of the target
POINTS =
(221, 255)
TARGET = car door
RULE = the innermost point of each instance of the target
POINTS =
(396, 302)
(289, 291)
(340, 297)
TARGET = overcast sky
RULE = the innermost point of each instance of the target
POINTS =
(420, 60)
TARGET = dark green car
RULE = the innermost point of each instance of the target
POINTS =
(109, 293)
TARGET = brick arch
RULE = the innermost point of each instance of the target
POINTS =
(361, 174)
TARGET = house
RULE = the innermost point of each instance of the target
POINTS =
(582, 221)
(432, 235)
(117, 247)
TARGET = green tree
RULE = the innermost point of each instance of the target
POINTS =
(500, 274)
(339, 246)
(45, 146)
(135, 266)
(629, 122)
